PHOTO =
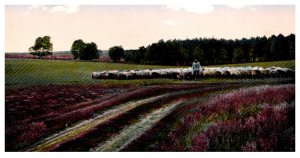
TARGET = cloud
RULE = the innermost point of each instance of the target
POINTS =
(69, 9)
(189, 7)
(57, 9)
(242, 6)
(237, 6)
(44, 8)
(169, 22)
(38, 7)
(34, 7)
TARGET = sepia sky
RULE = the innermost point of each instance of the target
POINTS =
(133, 26)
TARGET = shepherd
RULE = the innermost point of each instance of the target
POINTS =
(196, 68)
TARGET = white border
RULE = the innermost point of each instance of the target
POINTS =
(138, 154)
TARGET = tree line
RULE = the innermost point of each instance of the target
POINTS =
(209, 51)
(215, 51)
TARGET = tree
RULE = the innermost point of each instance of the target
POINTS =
(42, 47)
(198, 53)
(291, 46)
(77, 48)
(265, 50)
(222, 57)
(85, 51)
(142, 51)
(215, 51)
(128, 56)
(151, 54)
(211, 55)
(116, 53)
(238, 54)
(182, 56)
(89, 52)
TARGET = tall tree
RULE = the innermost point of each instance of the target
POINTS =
(89, 52)
(198, 53)
(116, 53)
(222, 57)
(41, 47)
(142, 51)
(238, 55)
(291, 46)
(85, 51)
(77, 48)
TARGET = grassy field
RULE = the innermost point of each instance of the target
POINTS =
(288, 64)
(32, 72)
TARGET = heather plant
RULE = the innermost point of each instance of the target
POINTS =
(269, 131)
(199, 142)
(249, 146)
(226, 136)
(271, 123)
(250, 119)
(34, 131)
(250, 96)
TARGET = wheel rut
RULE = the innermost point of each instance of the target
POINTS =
(141, 115)
(85, 126)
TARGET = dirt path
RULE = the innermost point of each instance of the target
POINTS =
(85, 126)
(130, 133)
(154, 108)
(127, 134)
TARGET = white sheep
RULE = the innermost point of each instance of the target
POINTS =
(95, 75)
(235, 72)
(186, 73)
(155, 73)
(146, 73)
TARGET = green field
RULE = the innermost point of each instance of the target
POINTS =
(20, 72)
(31, 72)
(288, 64)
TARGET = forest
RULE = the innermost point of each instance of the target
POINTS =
(212, 51)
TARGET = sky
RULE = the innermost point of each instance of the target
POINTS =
(132, 26)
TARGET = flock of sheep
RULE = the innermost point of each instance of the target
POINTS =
(186, 73)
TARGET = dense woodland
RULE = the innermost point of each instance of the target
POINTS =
(214, 51)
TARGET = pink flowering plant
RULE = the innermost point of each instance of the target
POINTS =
(259, 118)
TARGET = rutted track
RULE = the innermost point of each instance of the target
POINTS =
(69, 115)
(85, 126)
(132, 132)
(132, 118)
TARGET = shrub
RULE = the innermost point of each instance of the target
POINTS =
(250, 119)
(34, 131)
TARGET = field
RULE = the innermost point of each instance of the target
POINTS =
(288, 64)
(54, 105)
(31, 72)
